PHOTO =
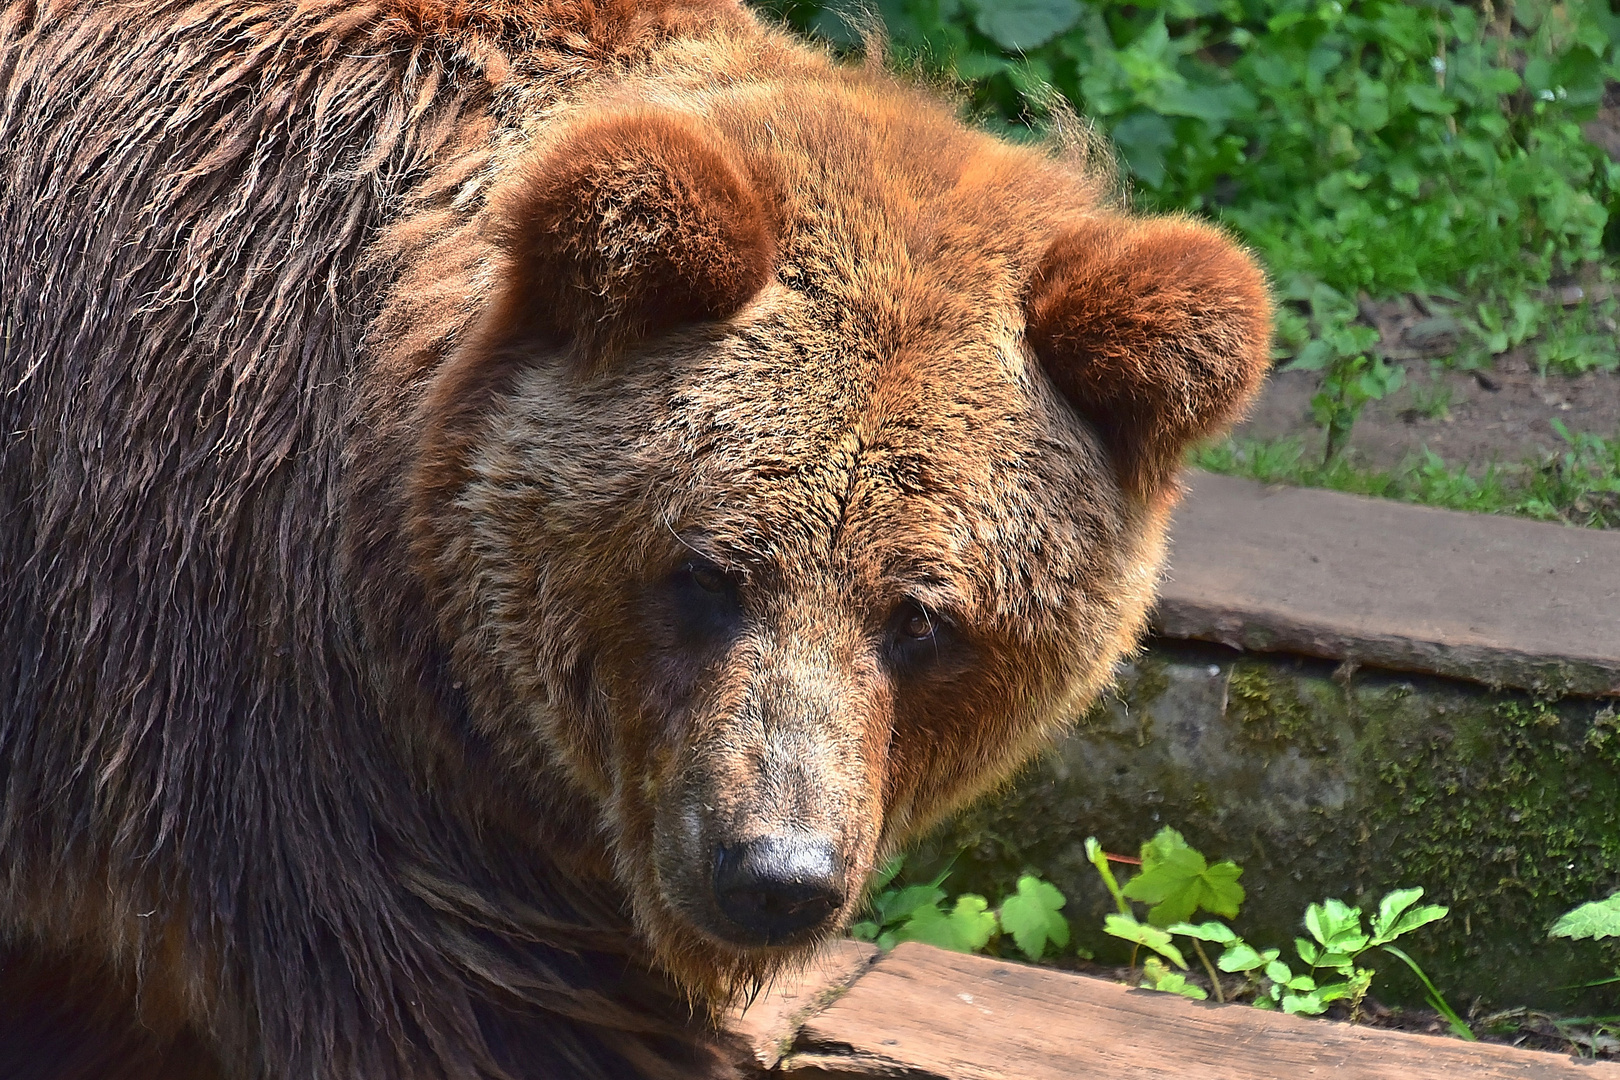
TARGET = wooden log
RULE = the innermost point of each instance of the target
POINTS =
(921, 1013)
(762, 1030)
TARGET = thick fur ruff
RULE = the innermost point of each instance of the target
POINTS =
(370, 369)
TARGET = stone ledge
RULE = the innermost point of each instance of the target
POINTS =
(1495, 600)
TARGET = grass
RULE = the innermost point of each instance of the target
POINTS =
(1580, 486)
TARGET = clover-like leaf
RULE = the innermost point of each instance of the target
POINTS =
(1279, 972)
(1337, 926)
(1333, 992)
(1177, 881)
(1309, 1004)
(1397, 916)
(1031, 916)
(1391, 906)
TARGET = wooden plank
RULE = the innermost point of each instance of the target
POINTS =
(762, 1030)
(1498, 600)
(920, 1013)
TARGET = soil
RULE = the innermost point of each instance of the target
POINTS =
(1501, 415)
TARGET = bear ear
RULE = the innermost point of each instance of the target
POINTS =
(1156, 330)
(630, 224)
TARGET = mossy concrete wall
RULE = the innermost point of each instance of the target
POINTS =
(1329, 782)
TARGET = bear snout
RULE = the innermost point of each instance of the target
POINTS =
(776, 888)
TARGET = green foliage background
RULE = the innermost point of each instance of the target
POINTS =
(1431, 147)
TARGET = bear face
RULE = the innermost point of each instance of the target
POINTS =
(808, 468)
(480, 470)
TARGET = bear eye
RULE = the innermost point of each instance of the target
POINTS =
(913, 623)
(706, 601)
(917, 637)
(707, 576)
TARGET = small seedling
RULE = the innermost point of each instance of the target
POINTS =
(1178, 881)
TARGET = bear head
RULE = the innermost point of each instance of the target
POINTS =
(807, 468)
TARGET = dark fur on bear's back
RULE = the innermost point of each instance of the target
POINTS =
(364, 370)
(193, 737)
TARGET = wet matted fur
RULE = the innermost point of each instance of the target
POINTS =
(377, 378)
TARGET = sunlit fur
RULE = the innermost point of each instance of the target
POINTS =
(366, 371)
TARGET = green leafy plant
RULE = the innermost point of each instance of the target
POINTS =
(1031, 916)
(1353, 373)
(1597, 919)
(1178, 881)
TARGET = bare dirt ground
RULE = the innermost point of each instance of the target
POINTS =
(1503, 415)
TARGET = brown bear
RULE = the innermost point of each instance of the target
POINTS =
(509, 507)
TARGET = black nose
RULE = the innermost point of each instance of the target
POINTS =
(778, 886)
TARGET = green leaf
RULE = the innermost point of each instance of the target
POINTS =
(1396, 916)
(1155, 976)
(1308, 1004)
(1125, 926)
(1426, 97)
(1337, 926)
(1598, 919)
(1333, 992)
(882, 875)
(893, 907)
(966, 928)
(1143, 137)
(1219, 933)
(1391, 906)
(1243, 957)
(1021, 25)
(1031, 916)
(1176, 880)
(1418, 916)
(1278, 972)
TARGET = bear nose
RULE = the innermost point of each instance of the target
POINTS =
(778, 886)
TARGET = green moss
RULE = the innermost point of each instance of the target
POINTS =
(1267, 707)
(1507, 811)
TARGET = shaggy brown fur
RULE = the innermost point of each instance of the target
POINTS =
(468, 465)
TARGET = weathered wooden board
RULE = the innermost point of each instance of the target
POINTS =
(764, 1029)
(1497, 600)
(924, 1014)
